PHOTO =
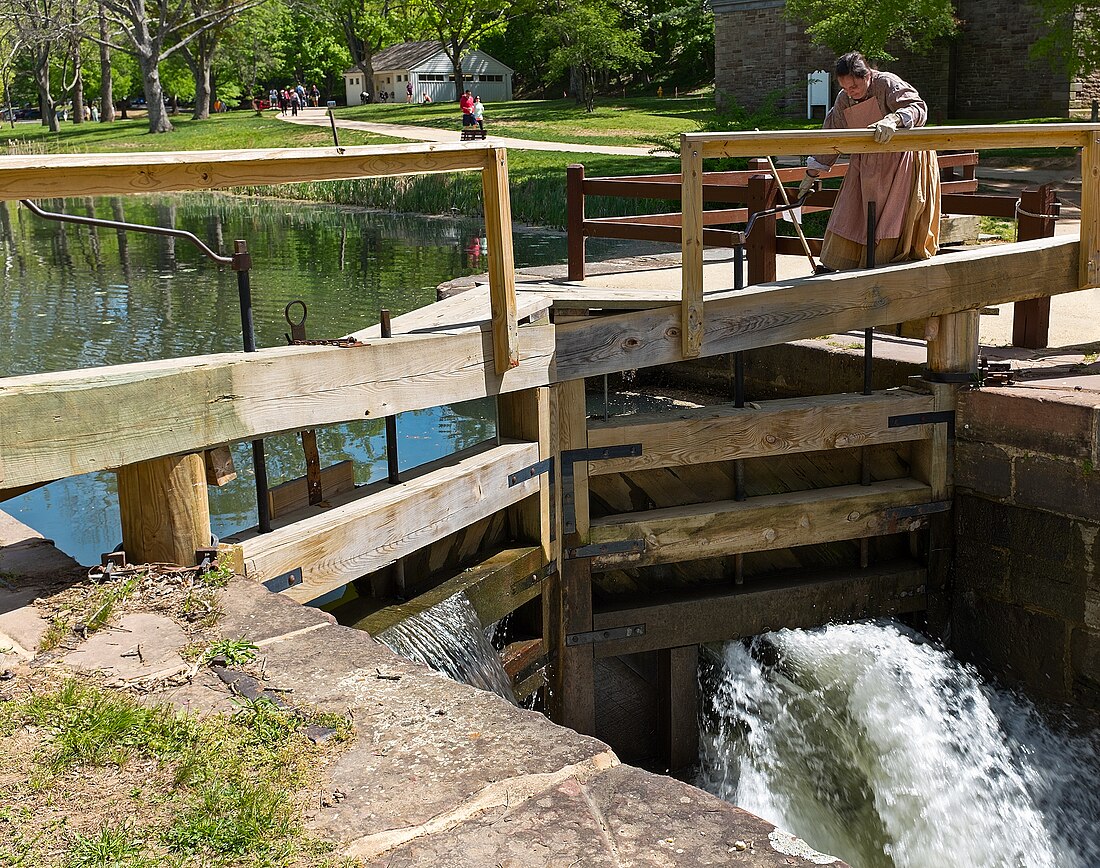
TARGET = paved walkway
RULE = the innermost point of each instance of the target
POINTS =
(318, 117)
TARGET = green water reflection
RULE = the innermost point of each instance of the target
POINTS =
(79, 297)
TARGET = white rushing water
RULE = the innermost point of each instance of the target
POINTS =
(880, 748)
(449, 638)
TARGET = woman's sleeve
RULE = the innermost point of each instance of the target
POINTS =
(903, 100)
(834, 120)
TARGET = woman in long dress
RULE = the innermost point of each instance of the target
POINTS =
(904, 185)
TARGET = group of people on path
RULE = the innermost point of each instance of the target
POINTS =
(473, 112)
(291, 99)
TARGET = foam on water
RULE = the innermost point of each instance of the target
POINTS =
(880, 748)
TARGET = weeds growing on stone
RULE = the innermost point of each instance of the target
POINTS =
(217, 792)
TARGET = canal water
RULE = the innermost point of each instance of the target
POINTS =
(80, 297)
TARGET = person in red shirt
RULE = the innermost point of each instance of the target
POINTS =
(466, 103)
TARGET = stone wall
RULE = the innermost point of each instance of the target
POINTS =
(1027, 556)
(985, 72)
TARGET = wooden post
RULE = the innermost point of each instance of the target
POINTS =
(691, 206)
(568, 605)
(1090, 211)
(678, 706)
(952, 349)
(1031, 318)
(526, 416)
(574, 220)
(164, 510)
(760, 246)
(502, 276)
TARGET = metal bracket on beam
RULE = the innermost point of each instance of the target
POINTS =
(574, 639)
(536, 578)
(952, 378)
(622, 547)
(898, 514)
(286, 580)
(568, 458)
(536, 469)
(932, 418)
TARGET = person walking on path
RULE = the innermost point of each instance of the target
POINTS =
(904, 185)
(409, 91)
(479, 114)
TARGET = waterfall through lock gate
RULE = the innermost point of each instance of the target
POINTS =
(878, 747)
(450, 639)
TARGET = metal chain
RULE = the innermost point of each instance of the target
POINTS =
(1020, 210)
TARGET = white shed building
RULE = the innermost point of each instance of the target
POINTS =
(426, 66)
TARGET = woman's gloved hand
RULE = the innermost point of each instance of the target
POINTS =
(807, 185)
(885, 129)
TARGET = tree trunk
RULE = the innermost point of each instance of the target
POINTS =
(45, 98)
(106, 86)
(154, 93)
(204, 93)
(78, 87)
(456, 64)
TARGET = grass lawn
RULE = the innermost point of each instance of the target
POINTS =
(228, 131)
(630, 121)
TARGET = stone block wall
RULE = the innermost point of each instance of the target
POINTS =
(985, 72)
(1027, 538)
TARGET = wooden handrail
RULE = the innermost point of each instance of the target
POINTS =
(695, 147)
(40, 176)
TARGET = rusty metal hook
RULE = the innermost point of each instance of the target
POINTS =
(297, 329)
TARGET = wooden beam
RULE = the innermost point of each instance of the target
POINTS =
(164, 510)
(526, 416)
(502, 277)
(691, 303)
(774, 521)
(294, 494)
(47, 176)
(469, 311)
(678, 706)
(762, 606)
(724, 432)
(219, 465)
(567, 607)
(495, 587)
(72, 422)
(525, 662)
(332, 547)
(1090, 211)
(803, 308)
(801, 142)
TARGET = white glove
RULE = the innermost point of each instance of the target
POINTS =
(806, 186)
(885, 129)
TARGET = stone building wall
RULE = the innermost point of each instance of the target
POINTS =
(1027, 543)
(984, 73)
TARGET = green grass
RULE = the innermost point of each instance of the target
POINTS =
(228, 131)
(216, 792)
(632, 121)
(235, 652)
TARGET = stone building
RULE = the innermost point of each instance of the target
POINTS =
(984, 72)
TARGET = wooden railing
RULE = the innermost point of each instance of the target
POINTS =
(753, 188)
(697, 147)
(44, 176)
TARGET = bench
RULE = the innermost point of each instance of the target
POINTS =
(471, 133)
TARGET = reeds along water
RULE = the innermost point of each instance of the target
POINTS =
(880, 748)
(450, 639)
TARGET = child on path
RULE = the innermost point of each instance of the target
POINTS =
(479, 113)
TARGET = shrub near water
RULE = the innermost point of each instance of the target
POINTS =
(214, 792)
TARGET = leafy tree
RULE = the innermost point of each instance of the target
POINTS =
(460, 25)
(154, 30)
(1072, 40)
(591, 41)
(365, 27)
(310, 51)
(870, 25)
